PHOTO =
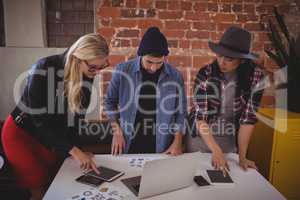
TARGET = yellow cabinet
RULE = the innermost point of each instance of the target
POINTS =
(275, 147)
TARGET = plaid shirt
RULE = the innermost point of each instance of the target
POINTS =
(207, 95)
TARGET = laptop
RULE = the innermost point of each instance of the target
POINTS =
(165, 175)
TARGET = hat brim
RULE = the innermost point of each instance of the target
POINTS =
(221, 50)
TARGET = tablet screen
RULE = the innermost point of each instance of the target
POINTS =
(89, 180)
(216, 176)
(105, 173)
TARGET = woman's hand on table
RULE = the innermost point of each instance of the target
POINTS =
(85, 159)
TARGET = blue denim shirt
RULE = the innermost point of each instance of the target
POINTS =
(122, 99)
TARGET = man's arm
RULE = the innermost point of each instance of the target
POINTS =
(176, 147)
(180, 116)
(111, 103)
(112, 97)
(181, 107)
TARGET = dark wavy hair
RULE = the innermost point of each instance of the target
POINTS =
(245, 72)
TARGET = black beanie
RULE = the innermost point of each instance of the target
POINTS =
(153, 41)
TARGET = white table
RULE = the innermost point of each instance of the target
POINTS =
(248, 185)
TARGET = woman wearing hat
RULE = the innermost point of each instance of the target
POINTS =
(38, 133)
(227, 95)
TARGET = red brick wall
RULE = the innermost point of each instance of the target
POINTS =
(188, 26)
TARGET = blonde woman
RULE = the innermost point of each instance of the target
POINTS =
(38, 133)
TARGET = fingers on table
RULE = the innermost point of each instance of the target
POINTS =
(227, 167)
(252, 165)
(244, 166)
(117, 148)
(214, 164)
(84, 165)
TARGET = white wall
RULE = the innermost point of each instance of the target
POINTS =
(15, 61)
(25, 41)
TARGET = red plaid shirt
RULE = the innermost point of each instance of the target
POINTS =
(207, 95)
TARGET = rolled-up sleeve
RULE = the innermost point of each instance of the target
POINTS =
(248, 115)
(181, 114)
(111, 101)
(200, 100)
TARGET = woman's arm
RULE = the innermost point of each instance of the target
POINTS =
(54, 135)
(204, 132)
(85, 160)
(248, 118)
(51, 128)
(244, 135)
(218, 158)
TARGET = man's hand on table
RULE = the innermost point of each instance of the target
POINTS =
(175, 148)
(118, 141)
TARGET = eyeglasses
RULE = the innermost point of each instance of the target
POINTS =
(97, 67)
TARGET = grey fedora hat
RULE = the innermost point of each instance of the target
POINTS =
(235, 43)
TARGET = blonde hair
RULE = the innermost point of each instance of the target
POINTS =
(87, 47)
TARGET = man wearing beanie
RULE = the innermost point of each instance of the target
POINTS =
(146, 101)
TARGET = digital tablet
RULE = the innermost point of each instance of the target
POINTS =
(217, 178)
(106, 174)
(89, 180)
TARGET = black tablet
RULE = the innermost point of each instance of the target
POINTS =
(106, 174)
(217, 177)
(89, 180)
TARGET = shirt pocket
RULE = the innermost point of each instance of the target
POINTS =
(168, 99)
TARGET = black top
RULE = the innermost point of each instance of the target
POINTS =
(145, 120)
(52, 127)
